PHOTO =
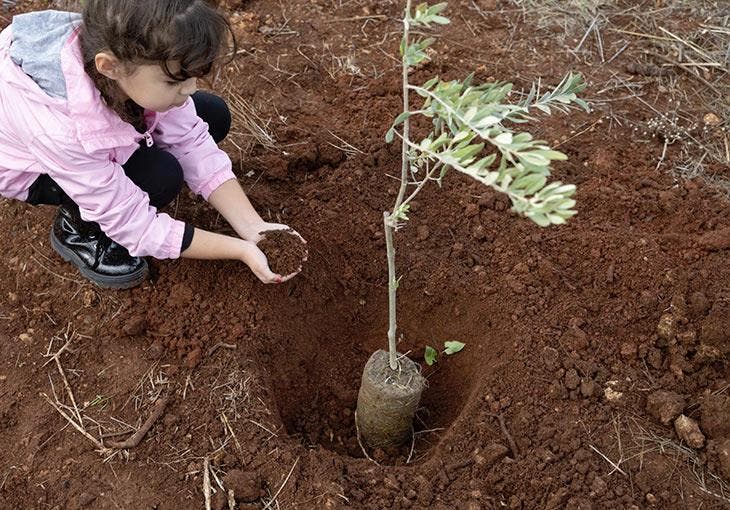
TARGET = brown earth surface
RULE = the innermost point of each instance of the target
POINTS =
(583, 342)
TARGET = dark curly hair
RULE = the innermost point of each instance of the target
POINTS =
(193, 33)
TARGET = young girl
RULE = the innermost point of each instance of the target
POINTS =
(99, 115)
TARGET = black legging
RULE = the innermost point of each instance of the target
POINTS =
(154, 170)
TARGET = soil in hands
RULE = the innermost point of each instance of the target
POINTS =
(284, 250)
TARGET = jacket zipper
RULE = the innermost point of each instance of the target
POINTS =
(148, 139)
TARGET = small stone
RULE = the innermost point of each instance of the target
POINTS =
(576, 503)
(170, 419)
(665, 406)
(667, 327)
(612, 395)
(25, 337)
(689, 431)
(88, 297)
(679, 307)
(711, 119)
(651, 499)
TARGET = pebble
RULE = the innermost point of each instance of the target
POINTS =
(689, 431)
(612, 395)
(667, 327)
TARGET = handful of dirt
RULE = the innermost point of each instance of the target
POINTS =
(284, 250)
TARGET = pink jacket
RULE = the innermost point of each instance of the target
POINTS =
(82, 144)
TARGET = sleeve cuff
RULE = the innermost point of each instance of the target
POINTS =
(215, 182)
(187, 237)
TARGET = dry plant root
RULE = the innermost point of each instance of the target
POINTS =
(510, 440)
(137, 437)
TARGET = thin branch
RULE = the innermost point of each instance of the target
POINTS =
(133, 441)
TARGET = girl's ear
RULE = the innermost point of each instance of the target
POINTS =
(108, 65)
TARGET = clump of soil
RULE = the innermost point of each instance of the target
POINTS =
(284, 250)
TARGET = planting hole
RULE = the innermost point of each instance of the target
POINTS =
(316, 363)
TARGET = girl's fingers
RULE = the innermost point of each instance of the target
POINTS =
(290, 276)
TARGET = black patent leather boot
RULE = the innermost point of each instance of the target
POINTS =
(99, 259)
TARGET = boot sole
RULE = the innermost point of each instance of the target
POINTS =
(126, 281)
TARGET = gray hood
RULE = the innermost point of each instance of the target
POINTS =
(38, 38)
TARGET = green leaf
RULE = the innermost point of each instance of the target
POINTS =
(430, 83)
(529, 184)
(390, 135)
(401, 118)
(533, 158)
(468, 152)
(504, 138)
(431, 355)
(438, 8)
(453, 347)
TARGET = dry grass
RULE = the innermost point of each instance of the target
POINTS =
(253, 128)
(672, 73)
(634, 443)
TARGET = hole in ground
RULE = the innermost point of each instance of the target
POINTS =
(316, 361)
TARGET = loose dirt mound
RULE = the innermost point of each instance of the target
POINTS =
(546, 408)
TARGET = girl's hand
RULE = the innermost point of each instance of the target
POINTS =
(259, 265)
(253, 231)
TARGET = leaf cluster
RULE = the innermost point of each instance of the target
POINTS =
(467, 118)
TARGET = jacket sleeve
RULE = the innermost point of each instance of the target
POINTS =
(185, 135)
(107, 196)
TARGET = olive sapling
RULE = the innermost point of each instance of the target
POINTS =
(466, 119)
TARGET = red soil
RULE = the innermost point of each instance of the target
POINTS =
(558, 322)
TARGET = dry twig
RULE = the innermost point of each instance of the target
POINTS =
(276, 494)
(136, 438)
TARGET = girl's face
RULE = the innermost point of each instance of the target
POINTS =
(152, 89)
(147, 84)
